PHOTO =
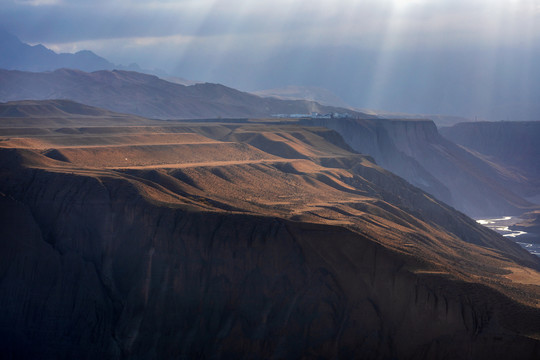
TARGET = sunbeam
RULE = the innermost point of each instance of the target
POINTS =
(459, 57)
(269, 179)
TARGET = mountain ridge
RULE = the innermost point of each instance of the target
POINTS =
(16, 55)
(149, 96)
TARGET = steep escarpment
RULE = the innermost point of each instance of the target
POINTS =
(303, 249)
(415, 150)
(513, 145)
(96, 270)
(509, 141)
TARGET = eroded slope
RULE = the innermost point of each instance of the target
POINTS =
(243, 240)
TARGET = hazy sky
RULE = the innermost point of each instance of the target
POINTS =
(368, 52)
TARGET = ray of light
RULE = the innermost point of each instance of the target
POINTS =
(385, 58)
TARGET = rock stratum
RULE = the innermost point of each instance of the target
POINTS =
(123, 237)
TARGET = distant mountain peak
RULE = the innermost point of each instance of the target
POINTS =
(16, 55)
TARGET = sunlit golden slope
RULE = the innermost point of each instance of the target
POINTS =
(243, 239)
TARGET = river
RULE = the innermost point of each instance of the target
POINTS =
(530, 242)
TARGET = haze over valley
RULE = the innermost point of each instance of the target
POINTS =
(286, 180)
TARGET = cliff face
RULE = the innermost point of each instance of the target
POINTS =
(90, 269)
(298, 249)
(414, 150)
(514, 145)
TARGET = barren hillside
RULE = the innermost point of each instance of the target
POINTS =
(149, 239)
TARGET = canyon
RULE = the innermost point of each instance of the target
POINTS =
(496, 180)
(127, 237)
(478, 184)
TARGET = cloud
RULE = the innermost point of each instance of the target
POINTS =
(347, 45)
(346, 21)
(373, 24)
(384, 25)
(38, 2)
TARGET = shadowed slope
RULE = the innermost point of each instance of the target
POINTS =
(512, 147)
(299, 249)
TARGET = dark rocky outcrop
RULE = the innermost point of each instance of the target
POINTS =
(92, 268)
(313, 252)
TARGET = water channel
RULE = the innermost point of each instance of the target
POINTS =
(529, 241)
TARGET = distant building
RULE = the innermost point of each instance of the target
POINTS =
(314, 115)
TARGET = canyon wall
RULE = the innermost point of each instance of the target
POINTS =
(414, 150)
(513, 144)
(92, 268)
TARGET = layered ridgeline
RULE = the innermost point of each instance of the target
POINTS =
(481, 184)
(478, 185)
(150, 96)
(146, 239)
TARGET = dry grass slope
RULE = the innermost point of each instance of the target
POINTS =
(390, 256)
